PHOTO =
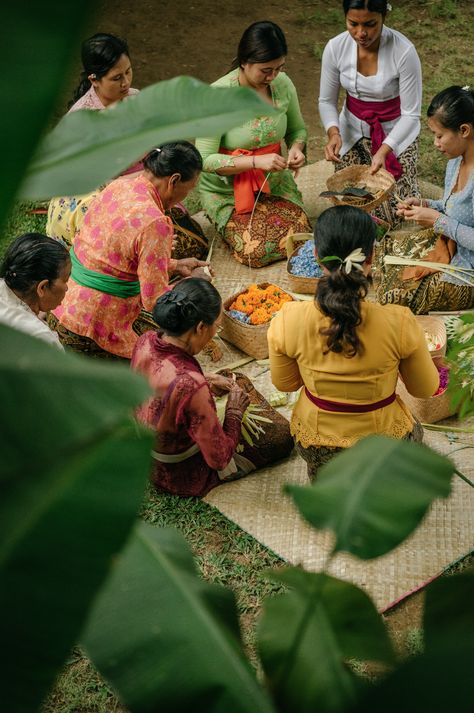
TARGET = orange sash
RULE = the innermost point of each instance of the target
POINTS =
(442, 251)
(247, 183)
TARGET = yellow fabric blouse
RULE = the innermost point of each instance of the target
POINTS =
(392, 342)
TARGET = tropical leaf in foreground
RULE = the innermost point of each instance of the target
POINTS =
(165, 639)
(88, 148)
(374, 494)
(74, 468)
(308, 635)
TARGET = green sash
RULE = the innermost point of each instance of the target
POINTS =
(103, 283)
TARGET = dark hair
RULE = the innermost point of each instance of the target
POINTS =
(261, 42)
(174, 157)
(30, 258)
(99, 54)
(370, 5)
(339, 231)
(452, 107)
(192, 301)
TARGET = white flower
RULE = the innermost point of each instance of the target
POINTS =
(355, 259)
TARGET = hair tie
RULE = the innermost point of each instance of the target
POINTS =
(354, 260)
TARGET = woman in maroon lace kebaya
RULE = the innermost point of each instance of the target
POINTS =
(191, 444)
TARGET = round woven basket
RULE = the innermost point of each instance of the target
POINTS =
(358, 176)
(434, 326)
(429, 410)
(302, 285)
(249, 338)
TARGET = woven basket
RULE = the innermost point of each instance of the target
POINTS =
(435, 326)
(249, 338)
(429, 410)
(358, 176)
(302, 285)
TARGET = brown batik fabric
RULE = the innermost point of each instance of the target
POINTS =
(317, 456)
(421, 296)
(259, 239)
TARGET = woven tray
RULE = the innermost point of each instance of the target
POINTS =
(302, 285)
(380, 184)
(249, 338)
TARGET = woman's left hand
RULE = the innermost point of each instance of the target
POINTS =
(426, 217)
(296, 159)
(219, 384)
(187, 265)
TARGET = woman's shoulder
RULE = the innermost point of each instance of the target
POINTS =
(387, 314)
(227, 80)
(397, 39)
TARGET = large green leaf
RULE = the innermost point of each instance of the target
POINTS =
(449, 611)
(436, 683)
(73, 472)
(38, 41)
(89, 147)
(165, 639)
(374, 494)
(307, 636)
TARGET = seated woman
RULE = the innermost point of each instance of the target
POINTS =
(34, 275)
(247, 159)
(106, 79)
(191, 445)
(347, 353)
(121, 257)
(380, 71)
(449, 237)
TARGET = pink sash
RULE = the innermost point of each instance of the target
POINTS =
(374, 113)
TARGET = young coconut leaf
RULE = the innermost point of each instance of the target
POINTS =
(307, 636)
(167, 640)
(374, 494)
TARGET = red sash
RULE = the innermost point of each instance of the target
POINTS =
(374, 113)
(247, 183)
(337, 406)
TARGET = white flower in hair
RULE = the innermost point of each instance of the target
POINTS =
(389, 7)
(355, 259)
(466, 88)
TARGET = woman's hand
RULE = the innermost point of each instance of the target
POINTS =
(270, 162)
(296, 158)
(219, 384)
(238, 398)
(378, 159)
(407, 203)
(333, 146)
(187, 266)
(426, 217)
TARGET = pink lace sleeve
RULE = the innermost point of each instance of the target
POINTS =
(217, 443)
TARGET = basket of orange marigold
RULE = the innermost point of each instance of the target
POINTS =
(247, 315)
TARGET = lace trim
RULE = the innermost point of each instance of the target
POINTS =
(398, 429)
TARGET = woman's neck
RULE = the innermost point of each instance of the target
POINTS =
(30, 302)
(180, 342)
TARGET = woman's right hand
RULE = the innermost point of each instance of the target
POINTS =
(333, 148)
(238, 398)
(270, 162)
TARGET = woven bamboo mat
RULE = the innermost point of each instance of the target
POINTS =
(257, 503)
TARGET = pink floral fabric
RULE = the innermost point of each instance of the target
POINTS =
(182, 412)
(125, 234)
(90, 100)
